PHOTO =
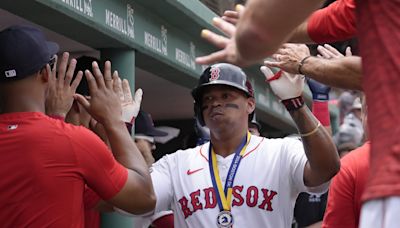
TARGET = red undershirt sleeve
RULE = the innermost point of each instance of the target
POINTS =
(102, 173)
(335, 22)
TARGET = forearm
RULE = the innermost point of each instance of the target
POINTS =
(323, 159)
(125, 150)
(343, 72)
(266, 24)
(300, 35)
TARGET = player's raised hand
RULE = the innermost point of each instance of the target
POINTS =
(130, 105)
(232, 16)
(227, 44)
(283, 84)
(328, 52)
(60, 88)
(104, 104)
(288, 57)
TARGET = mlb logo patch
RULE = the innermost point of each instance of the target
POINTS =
(12, 127)
(10, 73)
(214, 73)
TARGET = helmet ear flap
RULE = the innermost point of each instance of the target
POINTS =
(198, 113)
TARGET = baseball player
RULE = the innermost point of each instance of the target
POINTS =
(238, 179)
(46, 162)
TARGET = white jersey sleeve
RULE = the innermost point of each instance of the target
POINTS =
(162, 182)
(297, 160)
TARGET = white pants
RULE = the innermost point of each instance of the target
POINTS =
(381, 213)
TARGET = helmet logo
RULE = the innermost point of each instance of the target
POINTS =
(214, 73)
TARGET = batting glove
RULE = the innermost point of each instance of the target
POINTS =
(284, 85)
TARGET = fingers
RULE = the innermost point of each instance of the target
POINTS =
(225, 27)
(329, 52)
(267, 72)
(230, 20)
(277, 57)
(231, 16)
(70, 72)
(272, 64)
(116, 83)
(54, 70)
(348, 51)
(76, 81)
(82, 100)
(107, 75)
(127, 91)
(91, 82)
(118, 89)
(240, 9)
(324, 52)
(52, 78)
(333, 50)
(98, 76)
(62, 68)
(218, 56)
(215, 39)
(282, 51)
(138, 96)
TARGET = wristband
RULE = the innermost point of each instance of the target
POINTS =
(320, 110)
(311, 132)
(302, 63)
(293, 104)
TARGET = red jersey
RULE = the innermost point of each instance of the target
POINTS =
(335, 22)
(45, 165)
(344, 199)
(378, 23)
(92, 216)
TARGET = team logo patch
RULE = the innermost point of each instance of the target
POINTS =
(214, 73)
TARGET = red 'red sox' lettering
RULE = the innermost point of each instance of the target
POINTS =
(240, 196)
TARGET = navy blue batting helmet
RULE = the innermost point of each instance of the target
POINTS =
(221, 74)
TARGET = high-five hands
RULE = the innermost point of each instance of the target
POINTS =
(227, 44)
(130, 105)
(60, 89)
(284, 85)
(104, 104)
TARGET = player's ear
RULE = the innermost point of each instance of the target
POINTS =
(251, 105)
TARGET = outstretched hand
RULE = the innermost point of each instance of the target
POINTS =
(284, 85)
(60, 89)
(130, 105)
(328, 52)
(104, 104)
(227, 44)
(233, 16)
(288, 57)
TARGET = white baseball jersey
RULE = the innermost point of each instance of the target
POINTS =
(145, 222)
(268, 180)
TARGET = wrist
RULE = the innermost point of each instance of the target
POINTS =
(293, 104)
(112, 124)
(301, 64)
